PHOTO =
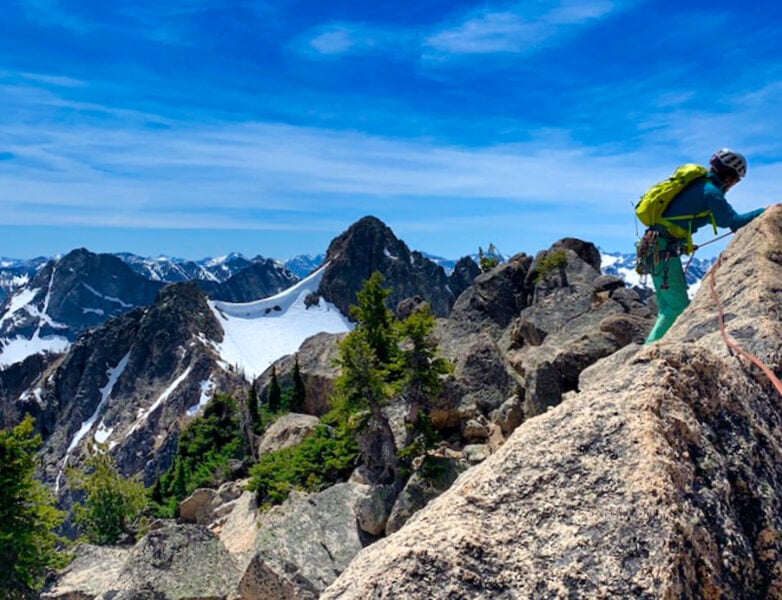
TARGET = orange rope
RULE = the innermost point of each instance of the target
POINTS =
(730, 343)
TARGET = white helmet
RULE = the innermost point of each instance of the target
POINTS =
(730, 163)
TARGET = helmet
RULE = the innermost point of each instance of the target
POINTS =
(727, 162)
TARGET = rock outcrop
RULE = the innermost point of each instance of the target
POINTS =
(660, 477)
(260, 279)
(130, 384)
(369, 246)
(292, 551)
(522, 333)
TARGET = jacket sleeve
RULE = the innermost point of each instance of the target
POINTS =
(724, 214)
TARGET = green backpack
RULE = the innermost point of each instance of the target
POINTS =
(653, 203)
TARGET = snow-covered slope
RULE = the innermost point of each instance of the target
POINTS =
(623, 265)
(258, 333)
(18, 347)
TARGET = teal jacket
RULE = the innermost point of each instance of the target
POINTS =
(706, 194)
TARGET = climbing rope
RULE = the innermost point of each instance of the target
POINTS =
(729, 342)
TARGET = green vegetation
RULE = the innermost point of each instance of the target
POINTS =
(381, 359)
(299, 393)
(274, 397)
(489, 259)
(207, 446)
(326, 457)
(420, 370)
(28, 546)
(113, 505)
(551, 262)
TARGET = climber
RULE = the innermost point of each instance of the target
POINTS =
(701, 202)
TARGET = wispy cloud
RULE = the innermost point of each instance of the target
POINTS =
(521, 28)
(341, 38)
(517, 28)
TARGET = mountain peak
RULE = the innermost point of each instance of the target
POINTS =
(369, 245)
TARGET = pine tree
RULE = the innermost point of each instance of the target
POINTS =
(254, 409)
(113, 503)
(362, 388)
(421, 369)
(374, 318)
(368, 364)
(489, 259)
(28, 547)
(275, 393)
(299, 396)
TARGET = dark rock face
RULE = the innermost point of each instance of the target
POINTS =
(17, 398)
(261, 279)
(369, 246)
(133, 380)
(77, 292)
(526, 334)
(586, 251)
(464, 273)
(495, 298)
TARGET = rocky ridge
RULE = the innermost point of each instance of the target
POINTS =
(498, 351)
(657, 477)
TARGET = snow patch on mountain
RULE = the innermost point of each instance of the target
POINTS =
(103, 297)
(17, 349)
(207, 391)
(145, 412)
(260, 332)
(18, 302)
(103, 433)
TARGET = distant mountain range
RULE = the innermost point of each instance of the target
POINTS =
(124, 350)
(16, 273)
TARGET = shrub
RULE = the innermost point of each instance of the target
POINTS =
(326, 457)
(113, 503)
(203, 458)
(549, 263)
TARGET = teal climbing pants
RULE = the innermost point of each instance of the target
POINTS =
(670, 286)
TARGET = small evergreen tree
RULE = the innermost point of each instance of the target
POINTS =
(362, 388)
(207, 447)
(299, 396)
(28, 546)
(374, 318)
(274, 398)
(489, 259)
(421, 369)
(113, 504)
(254, 409)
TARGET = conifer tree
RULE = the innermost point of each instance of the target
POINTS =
(299, 396)
(275, 393)
(113, 503)
(367, 360)
(28, 546)
(421, 369)
(374, 318)
(489, 259)
(362, 388)
(254, 410)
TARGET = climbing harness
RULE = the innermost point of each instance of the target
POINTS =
(649, 256)
(733, 346)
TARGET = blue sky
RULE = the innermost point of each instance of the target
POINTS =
(194, 128)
